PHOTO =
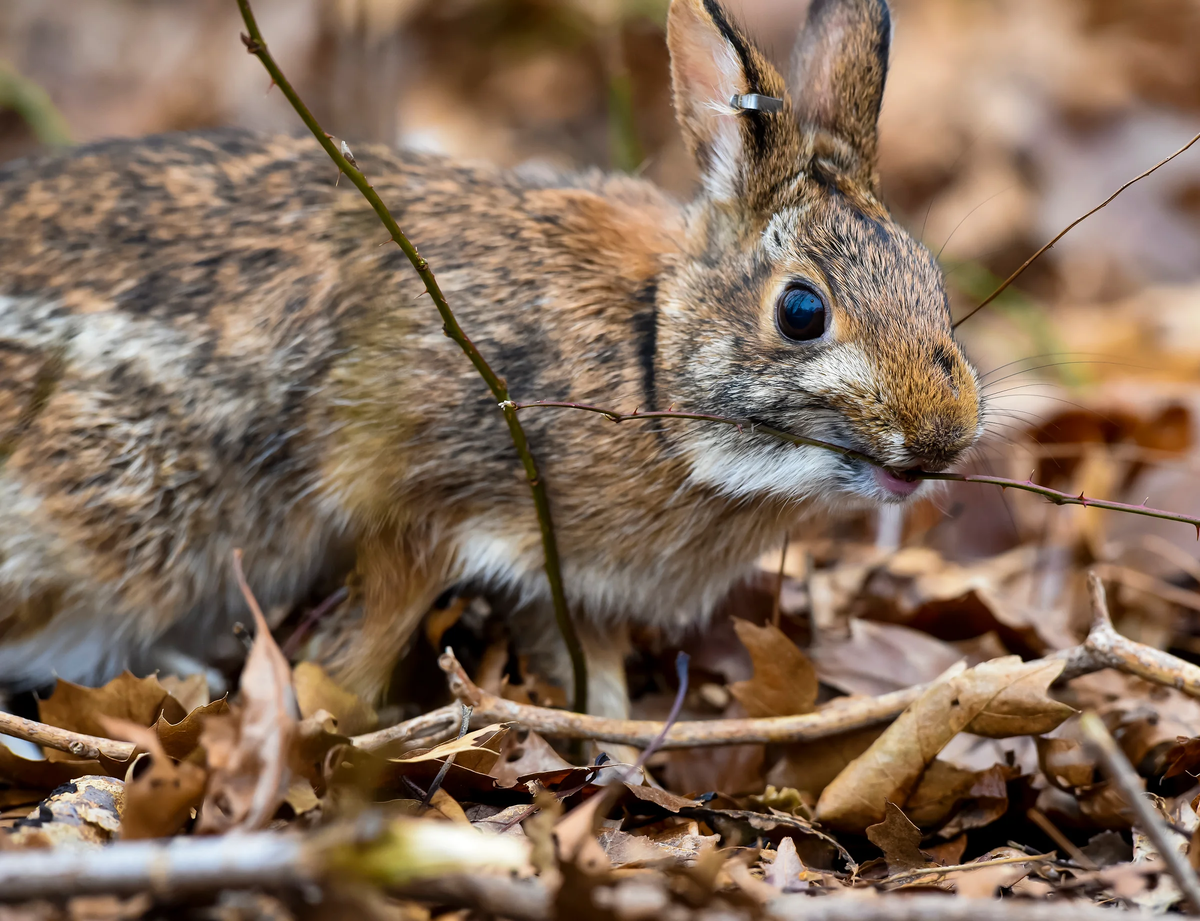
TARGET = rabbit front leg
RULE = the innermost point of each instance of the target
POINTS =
(396, 585)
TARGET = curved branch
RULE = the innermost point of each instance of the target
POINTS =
(257, 46)
(1062, 233)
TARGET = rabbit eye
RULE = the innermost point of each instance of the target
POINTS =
(801, 314)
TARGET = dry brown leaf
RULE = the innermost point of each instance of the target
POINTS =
(180, 739)
(191, 692)
(877, 658)
(811, 766)
(159, 794)
(784, 681)
(82, 709)
(1065, 763)
(954, 800)
(899, 839)
(476, 751)
(315, 690)
(250, 750)
(522, 753)
(998, 698)
(43, 774)
(445, 804)
(628, 851)
(575, 833)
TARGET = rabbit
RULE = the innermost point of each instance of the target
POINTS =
(203, 347)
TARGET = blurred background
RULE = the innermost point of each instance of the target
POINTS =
(1003, 121)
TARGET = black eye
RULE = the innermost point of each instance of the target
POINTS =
(801, 314)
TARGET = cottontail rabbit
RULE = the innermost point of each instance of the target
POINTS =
(203, 346)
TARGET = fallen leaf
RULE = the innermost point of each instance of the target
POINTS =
(575, 833)
(998, 698)
(478, 750)
(250, 750)
(180, 739)
(811, 766)
(626, 851)
(952, 799)
(83, 709)
(191, 692)
(43, 774)
(877, 658)
(445, 804)
(524, 753)
(1065, 763)
(315, 690)
(899, 839)
(784, 681)
(160, 794)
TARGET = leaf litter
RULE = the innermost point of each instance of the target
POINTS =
(975, 586)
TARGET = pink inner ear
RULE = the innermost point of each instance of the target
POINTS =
(818, 88)
(707, 70)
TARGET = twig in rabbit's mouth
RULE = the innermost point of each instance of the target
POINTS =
(1056, 496)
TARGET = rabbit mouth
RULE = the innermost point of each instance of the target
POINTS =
(896, 483)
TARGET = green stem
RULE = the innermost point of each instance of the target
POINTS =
(256, 45)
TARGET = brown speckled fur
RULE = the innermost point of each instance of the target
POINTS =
(203, 346)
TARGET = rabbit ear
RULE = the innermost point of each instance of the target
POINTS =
(710, 60)
(839, 67)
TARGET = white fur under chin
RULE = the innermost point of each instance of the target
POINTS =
(745, 468)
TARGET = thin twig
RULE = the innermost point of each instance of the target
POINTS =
(1062, 233)
(1127, 781)
(1057, 497)
(314, 617)
(256, 45)
(921, 872)
(742, 425)
(681, 671)
(442, 771)
(1052, 831)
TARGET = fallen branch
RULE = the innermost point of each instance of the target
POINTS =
(1057, 497)
(89, 748)
(1062, 233)
(1103, 648)
(1127, 781)
(1116, 651)
(442, 861)
(257, 46)
(172, 866)
(439, 725)
(942, 908)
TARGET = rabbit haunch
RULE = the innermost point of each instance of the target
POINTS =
(203, 347)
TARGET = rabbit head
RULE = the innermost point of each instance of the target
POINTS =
(799, 302)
